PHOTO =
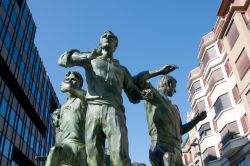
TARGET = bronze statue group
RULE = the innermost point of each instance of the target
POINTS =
(90, 117)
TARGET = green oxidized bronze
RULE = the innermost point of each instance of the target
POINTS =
(70, 121)
(105, 118)
(163, 117)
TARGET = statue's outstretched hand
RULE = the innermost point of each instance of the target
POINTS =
(168, 68)
(202, 115)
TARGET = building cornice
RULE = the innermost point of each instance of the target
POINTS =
(228, 18)
(224, 7)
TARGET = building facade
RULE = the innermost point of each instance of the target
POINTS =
(221, 86)
(26, 95)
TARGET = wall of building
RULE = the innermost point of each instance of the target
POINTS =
(26, 95)
(223, 89)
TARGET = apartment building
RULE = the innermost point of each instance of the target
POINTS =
(221, 86)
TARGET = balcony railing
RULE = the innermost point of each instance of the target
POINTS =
(209, 158)
(229, 136)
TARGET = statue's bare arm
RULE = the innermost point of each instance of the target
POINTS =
(141, 78)
(188, 126)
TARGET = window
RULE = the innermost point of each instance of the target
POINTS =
(14, 55)
(228, 68)
(209, 155)
(20, 33)
(5, 4)
(244, 123)
(12, 118)
(26, 46)
(210, 54)
(220, 45)
(7, 148)
(19, 126)
(232, 35)
(222, 103)
(38, 97)
(25, 13)
(236, 94)
(200, 106)
(1, 24)
(3, 107)
(32, 141)
(205, 130)
(230, 131)
(22, 67)
(30, 26)
(27, 78)
(242, 64)
(7, 40)
(196, 87)
(26, 134)
(215, 77)
(248, 97)
(33, 88)
(13, 18)
(32, 55)
(36, 68)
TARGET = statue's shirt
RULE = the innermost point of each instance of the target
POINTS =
(164, 120)
(72, 126)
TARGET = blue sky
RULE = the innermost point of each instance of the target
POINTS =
(151, 34)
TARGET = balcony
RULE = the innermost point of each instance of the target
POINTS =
(209, 158)
(232, 143)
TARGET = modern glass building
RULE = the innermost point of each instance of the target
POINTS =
(26, 94)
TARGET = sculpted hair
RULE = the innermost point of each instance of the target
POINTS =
(164, 81)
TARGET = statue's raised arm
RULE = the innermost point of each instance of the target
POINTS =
(142, 77)
(74, 57)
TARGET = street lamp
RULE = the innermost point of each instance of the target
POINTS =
(195, 144)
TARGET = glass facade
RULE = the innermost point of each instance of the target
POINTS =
(26, 95)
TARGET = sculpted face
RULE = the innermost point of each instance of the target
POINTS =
(170, 88)
(70, 80)
(108, 41)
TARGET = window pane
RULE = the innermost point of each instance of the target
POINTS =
(6, 148)
(195, 87)
(200, 106)
(3, 107)
(13, 18)
(15, 55)
(26, 134)
(215, 77)
(22, 67)
(205, 130)
(232, 35)
(12, 117)
(209, 54)
(20, 33)
(222, 103)
(19, 127)
(7, 40)
(28, 78)
(32, 141)
(248, 97)
(5, 4)
(242, 64)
